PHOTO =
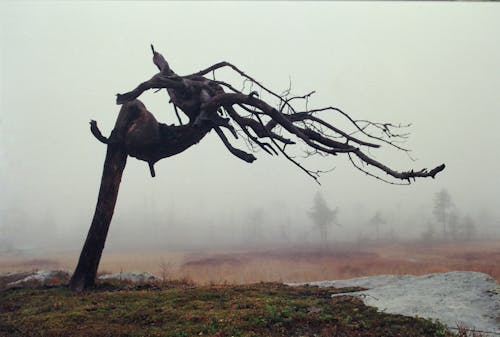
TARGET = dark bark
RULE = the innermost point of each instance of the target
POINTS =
(129, 137)
(86, 270)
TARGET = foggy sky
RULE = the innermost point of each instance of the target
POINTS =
(435, 65)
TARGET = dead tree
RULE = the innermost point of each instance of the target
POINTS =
(323, 217)
(211, 104)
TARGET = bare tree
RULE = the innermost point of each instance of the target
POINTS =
(377, 220)
(212, 104)
(469, 228)
(323, 217)
(253, 230)
(429, 235)
(442, 208)
(454, 226)
(461, 228)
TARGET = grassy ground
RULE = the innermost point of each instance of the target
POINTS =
(284, 264)
(182, 309)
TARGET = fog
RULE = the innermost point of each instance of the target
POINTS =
(435, 65)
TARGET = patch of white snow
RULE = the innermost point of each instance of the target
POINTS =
(470, 298)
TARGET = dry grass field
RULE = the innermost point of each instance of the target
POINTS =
(285, 264)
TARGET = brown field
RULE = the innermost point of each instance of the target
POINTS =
(297, 264)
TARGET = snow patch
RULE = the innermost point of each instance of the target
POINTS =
(40, 278)
(470, 298)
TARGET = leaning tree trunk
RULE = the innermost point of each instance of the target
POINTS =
(86, 270)
(136, 134)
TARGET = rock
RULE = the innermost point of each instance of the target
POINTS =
(39, 278)
(43, 278)
(135, 277)
(470, 298)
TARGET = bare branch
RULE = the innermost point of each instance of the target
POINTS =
(287, 101)
(158, 81)
(407, 175)
(249, 158)
(240, 121)
(313, 175)
(201, 99)
(243, 74)
(159, 60)
(97, 133)
(373, 175)
(357, 126)
(259, 129)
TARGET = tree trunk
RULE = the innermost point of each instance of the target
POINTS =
(86, 270)
(131, 136)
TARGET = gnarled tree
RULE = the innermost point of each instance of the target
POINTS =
(212, 104)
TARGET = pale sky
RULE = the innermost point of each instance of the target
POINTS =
(435, 65)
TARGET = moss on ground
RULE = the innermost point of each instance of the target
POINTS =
(265, 309)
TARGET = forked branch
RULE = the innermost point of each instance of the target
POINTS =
(204, 101)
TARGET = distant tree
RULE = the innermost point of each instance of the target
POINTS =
(442, 208)
(461, 228)
(454, 225)
(428, 235)
(253, 233)
(15, 230)
(469, 228)
(322, 216)
(5, 242)
(490, 224)
(377, 220)
(284, 230)
(281, 217)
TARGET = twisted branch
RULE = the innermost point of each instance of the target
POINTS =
(203, 100)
